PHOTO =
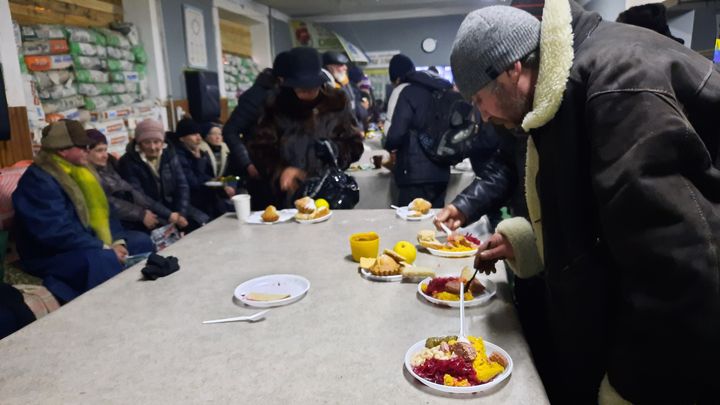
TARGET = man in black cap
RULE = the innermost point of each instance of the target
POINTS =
(62, 216)
(336, 64)
(238, 128)
(289, 146)
(416, 176)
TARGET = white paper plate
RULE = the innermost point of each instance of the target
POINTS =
(314, 221)
(291, 284)
(214, 183)
(489, 349)
(404, 213)
(255, 218)
(479, 300)
(367, 275)
(445, 253)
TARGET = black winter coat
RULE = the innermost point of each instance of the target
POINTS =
(496, 175)
(171, 188)
(129, 203)
(629, 190)
(241, 124)
(409, 116)
(198, 171)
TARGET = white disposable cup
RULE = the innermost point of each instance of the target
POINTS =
(242, 206)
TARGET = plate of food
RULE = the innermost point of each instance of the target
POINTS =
(446, 291)
(312, 211)
(457, 246)
(272, 291)
(270, 216)
(391, 266)
(444, 364)
(418, 210)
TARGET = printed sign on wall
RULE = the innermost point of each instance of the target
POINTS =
(195, 37)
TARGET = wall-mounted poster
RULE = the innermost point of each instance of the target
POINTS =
(195, 37)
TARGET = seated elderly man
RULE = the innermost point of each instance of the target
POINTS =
(63, 219)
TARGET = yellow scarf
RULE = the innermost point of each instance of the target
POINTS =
(95, 199)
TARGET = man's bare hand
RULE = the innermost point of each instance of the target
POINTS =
(494, 249)
(452, 217)
(252, 171)
(121, 252)
(150, 220)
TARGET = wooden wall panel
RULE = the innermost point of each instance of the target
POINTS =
(235, 38)
(19, 147)
(84, 13)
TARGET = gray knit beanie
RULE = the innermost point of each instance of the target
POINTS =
(488, 42)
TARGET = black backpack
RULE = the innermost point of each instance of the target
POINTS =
(450, 128)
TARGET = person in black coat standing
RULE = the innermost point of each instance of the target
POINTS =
(152, 167)
(239, 127)
(416, 176)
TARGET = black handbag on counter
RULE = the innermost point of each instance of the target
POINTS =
(339, 189)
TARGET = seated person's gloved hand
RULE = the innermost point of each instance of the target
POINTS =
(322, 150)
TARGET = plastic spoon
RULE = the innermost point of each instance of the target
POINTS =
(461, 335)
(252, 318)
(410, 212)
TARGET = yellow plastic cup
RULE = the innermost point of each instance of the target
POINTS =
(365, 244)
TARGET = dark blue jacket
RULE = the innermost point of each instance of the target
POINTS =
(171, 188)
(197, 172)
(410, 114)
(52, 241)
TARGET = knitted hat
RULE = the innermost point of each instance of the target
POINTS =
(96, 137)
(488, 42)
(400, 65)
(149, 129)
(305, 72)
(206, 127)
(186, 126)
(64, 134)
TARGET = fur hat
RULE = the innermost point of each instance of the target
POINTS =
(185, 127)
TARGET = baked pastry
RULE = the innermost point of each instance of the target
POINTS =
(420, 205)
(410, 271)
(254, 296)
(305, 205)
(427, 239)
(320, 212)
(385, 266)
(270, 214)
